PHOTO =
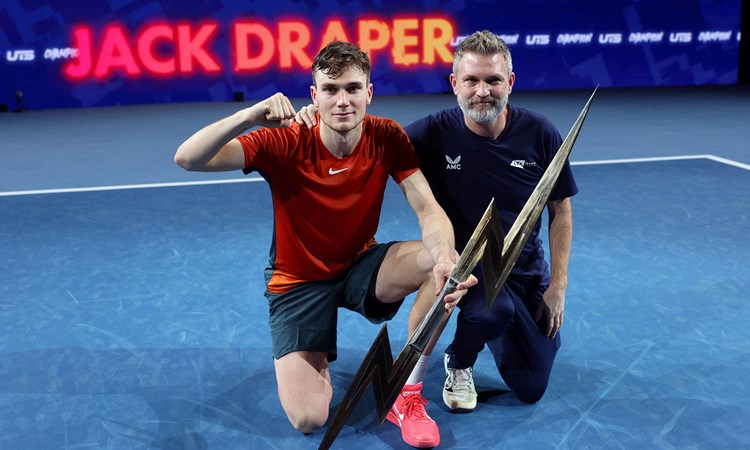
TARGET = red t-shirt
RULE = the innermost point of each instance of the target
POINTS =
(326, 210)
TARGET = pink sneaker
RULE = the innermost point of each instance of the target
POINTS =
(408, 413)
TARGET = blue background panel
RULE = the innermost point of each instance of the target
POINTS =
(555, 44)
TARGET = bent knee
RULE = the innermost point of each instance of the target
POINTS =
(531, 394)
(306, 421)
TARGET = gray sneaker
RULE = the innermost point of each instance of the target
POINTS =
(459, 393)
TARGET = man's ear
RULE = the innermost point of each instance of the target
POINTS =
(314, 95)
(454, 83)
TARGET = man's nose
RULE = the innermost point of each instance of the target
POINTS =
(483, 89)
(343, 99)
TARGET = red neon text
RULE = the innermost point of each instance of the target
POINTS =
(166, 50)
(116, 54)
(412, 41)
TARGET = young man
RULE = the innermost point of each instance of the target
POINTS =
(503, 151)
(327, 185)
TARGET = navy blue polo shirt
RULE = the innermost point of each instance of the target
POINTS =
(466, 170)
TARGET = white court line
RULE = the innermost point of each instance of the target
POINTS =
(639, 160)
(253, 179)
(729, 162)
(718, 159)
(127, 186)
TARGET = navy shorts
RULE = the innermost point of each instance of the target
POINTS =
(305, 318)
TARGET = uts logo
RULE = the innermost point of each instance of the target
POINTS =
(610, 38)
(19, 55)
(681, 37)
(537, 39)
(453, 164)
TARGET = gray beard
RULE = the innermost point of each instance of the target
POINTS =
(485, 115)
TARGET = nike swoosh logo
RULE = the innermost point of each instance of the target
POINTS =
(398, 413)
(334, 172)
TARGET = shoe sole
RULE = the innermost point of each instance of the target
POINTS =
(461, 410)
(453, 406)
(456, 409)
(416, 444)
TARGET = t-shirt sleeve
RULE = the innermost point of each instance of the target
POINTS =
(417, 132)
(404, 161)
(262, 147)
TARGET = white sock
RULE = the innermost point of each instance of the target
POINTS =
(420, 370)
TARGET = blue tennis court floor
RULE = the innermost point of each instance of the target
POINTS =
(134, 318)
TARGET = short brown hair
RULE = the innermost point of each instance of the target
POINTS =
(338, 56)
(485, 43)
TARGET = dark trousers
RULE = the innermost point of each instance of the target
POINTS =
(523, 353)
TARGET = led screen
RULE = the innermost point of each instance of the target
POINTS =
(101, 53)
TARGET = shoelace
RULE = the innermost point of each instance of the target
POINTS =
(462, 379)
(414, 406)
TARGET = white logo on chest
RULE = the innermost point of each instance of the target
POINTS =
(334, 172)
(521, 163)
(453, 164)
